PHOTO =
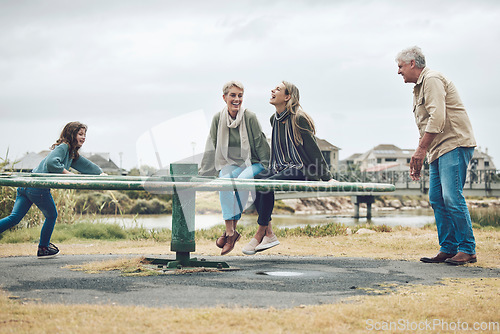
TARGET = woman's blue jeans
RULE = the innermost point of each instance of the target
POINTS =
(446, 184)
(24, 199)
(233, 202)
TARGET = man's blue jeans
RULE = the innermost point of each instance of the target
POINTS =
(24, 199)
(446, 183)
(233, 202)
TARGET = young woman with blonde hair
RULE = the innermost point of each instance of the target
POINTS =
(295, 155)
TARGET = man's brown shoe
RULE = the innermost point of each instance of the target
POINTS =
(462, 258)
(230, 242)
(440, 258)
(221, 241)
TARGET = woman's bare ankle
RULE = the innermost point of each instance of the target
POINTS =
(261, 232)
(269, 231)
(229, 228)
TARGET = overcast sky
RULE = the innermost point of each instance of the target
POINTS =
(136, 70)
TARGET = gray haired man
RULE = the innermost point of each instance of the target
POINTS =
(446, 137)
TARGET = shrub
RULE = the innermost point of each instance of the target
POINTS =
(381, 228)
(65, 200)
(150, 207)
(99, 231)
(108, 202)
(7, 198)
(330, 229)
(279, 206)
(486, 217)
(134, 194)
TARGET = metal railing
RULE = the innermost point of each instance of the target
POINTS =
(183, 182)
(487, 181)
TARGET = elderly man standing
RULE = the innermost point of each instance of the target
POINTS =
(446, 137)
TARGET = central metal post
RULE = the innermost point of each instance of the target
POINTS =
(183, 212)
(183, 223)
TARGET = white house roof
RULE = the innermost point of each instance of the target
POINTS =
(31, 160)
(324, 145)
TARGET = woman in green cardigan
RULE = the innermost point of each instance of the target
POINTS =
(236, 148)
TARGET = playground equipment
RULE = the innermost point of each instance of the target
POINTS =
(183, 182)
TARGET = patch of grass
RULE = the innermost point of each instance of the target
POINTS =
(163, 235)
(98, 231)
(486, 217)
(248, 231)
(482, 218)
(280, 207)
(376, 228)
(127, 266)
(216, 231)
(331, 229)
(430, 226)
(476, 302)
(133, 267)
(15, 236)
(86, 231)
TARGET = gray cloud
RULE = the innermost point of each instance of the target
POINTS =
(125, 66)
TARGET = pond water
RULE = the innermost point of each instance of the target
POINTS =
(410, 218)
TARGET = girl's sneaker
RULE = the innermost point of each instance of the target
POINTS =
(47, 252)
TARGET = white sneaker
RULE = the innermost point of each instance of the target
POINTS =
(267, 243)
(249, 249)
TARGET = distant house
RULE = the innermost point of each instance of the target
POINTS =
(330, 153)
(388, 157)
(31, 160)
(384, 157)
(104, 161)
(482, 160)
(480, 165)
(27, 162)
(349, 163)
